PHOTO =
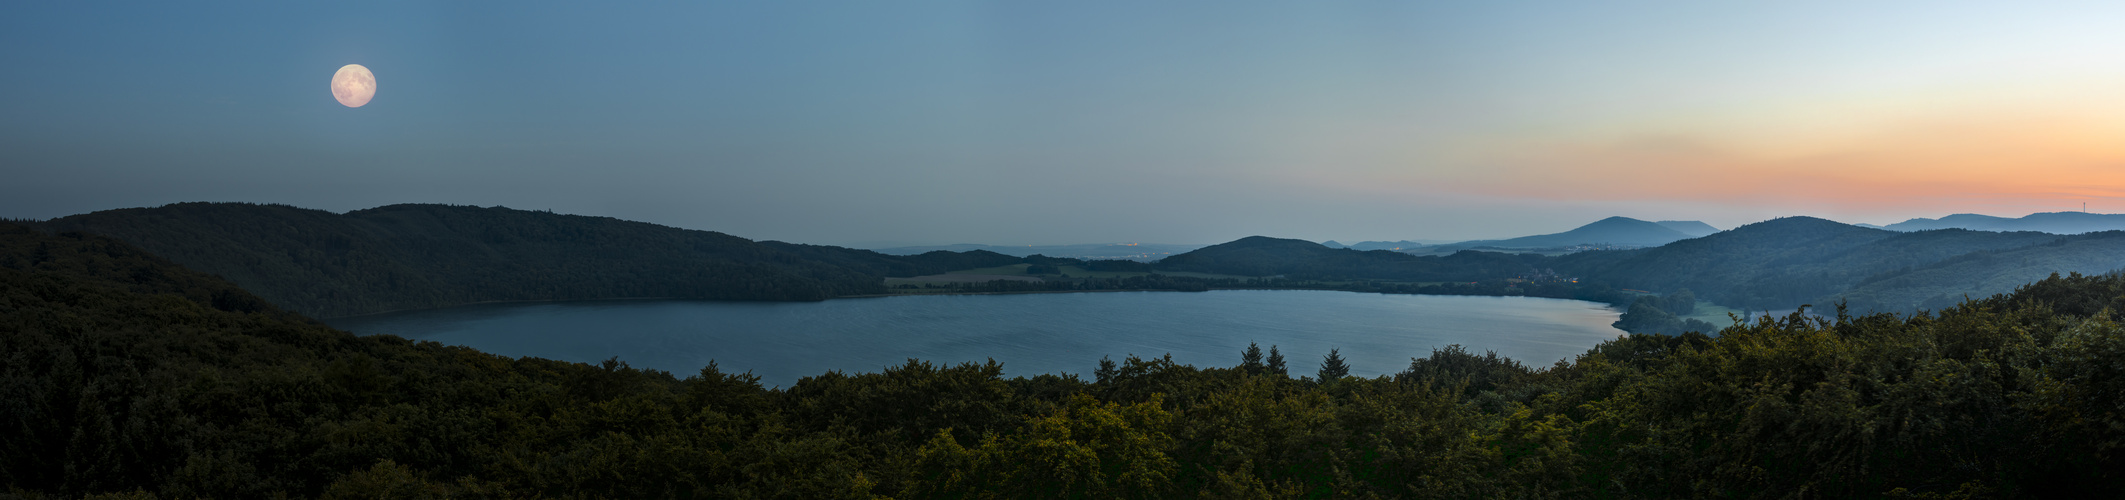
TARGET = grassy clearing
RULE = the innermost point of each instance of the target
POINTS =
(1717, 314)
(1080, 272)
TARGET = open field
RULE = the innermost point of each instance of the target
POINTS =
(1717, 314)
(1080, 272)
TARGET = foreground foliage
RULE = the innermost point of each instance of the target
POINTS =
(126, 375)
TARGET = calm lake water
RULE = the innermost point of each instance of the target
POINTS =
(1030, 334)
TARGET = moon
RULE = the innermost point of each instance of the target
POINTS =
(353, 85)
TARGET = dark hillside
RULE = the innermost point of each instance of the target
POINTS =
(129, 376)
(103, 262)
(422, 256)
(1300, 259)
(1757, 265)
(871, 262)
(1944, 283)
(1786, 262)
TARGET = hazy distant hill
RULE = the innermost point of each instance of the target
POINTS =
(1265, 256)
(1621, 231)
(1696, 229)
(421, 256)
(2049, 222)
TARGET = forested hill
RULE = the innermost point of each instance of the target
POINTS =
(1782, 263)
(423, 256)
(1983, 273)
(129, 377)
(1265, 256)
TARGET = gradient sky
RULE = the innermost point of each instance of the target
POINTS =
(878, 123)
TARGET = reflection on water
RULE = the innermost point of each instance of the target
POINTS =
(1030, 334)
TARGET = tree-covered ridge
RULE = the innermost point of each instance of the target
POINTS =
(1300, 259)
(423, 256)
(1786, 262)
(126, 374)
(1987, 272)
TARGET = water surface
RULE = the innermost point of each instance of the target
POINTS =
(1030, 333)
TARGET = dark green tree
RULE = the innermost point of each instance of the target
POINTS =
(1105, 371)
(1276, 362)
(1332, 367)
(1251, 359)
(1680, 303)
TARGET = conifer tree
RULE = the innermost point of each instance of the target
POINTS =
(1105, 371)
(1332, 367)
(1276, 362)
(1251, 359)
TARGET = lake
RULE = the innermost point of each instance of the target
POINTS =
(1029, 333)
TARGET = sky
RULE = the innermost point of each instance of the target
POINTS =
(931, 122)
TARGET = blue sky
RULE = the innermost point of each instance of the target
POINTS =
(1040, 123)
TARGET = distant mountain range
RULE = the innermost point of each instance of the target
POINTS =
(2049, 222)
(1612, 231)
(1142, 252)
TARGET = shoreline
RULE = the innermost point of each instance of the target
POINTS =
(874, 296)
(523, 301)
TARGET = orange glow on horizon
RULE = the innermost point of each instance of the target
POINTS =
(2017, 161)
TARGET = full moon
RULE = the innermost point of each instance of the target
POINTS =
(353, 85)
